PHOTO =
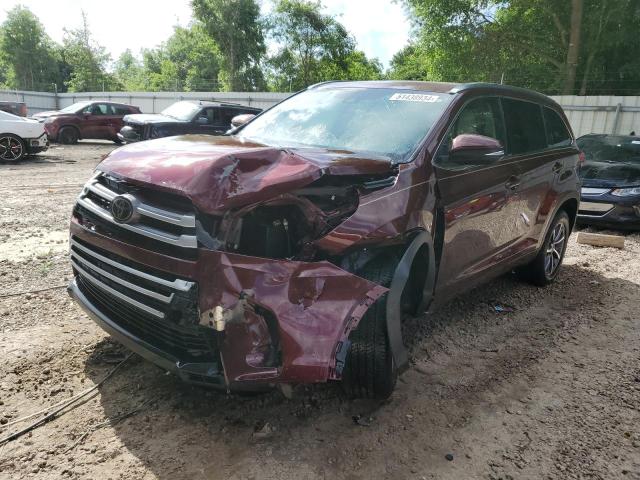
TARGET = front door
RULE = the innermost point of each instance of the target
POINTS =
(475, 189)
(97, 122)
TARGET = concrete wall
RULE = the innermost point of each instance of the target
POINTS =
(588, 114)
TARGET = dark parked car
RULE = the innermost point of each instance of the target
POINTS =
(289, 251)
(95, 120)
(610, 181)
(15, 108)
(195, 116)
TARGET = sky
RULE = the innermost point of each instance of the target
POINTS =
(379, 26)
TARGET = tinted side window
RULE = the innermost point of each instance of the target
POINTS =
(525, 128)
(481, 116)
(225, 116)
(118, 110)
(557, 133)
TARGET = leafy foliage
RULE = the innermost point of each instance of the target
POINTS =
(313, 47)
(526, 42)
(29, 59)
(87, 61)
(235, 27)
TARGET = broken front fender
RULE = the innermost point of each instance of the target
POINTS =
(282, 321)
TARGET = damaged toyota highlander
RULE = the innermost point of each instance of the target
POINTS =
(289, 250)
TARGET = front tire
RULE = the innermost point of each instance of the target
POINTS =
(68, 136)
(370, 371)
(544, 269)
(12, 148)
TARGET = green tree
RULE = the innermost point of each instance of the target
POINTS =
(29, 58)
(235, 27)
(189, 60)
(557, 47)
(313, 47)
(88, 61)
(129, 72)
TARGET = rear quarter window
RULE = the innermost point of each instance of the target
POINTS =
(557, 132)
(525, 127)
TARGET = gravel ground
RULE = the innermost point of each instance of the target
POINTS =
(550, 390)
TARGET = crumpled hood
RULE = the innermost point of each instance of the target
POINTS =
(220, 173)
(52, 113)
(141, 118)
(604, 174)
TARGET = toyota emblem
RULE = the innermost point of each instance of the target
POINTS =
(121, 209)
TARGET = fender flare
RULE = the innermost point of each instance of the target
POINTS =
(398, 282)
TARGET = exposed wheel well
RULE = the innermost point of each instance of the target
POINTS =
(571, 207)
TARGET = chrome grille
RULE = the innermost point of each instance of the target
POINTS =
(161, 224)
(152, 305)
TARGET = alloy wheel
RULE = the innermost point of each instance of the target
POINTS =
(555, 248)
(11, 149)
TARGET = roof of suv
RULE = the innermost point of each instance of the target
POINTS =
(442, 87)
(208, 103)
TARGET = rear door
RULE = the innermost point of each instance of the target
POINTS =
(475, 201)
(538, 140)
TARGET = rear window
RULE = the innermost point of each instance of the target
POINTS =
(557, 133)
(118, 110)
(525, 128)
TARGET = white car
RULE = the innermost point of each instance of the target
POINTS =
(20, 136)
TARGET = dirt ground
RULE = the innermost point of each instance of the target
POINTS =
(550, 390)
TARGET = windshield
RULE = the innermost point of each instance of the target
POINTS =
(76, 107)
(181, 110)
(383, 121)
(610, 149)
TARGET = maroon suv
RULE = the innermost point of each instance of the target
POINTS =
(289, 251)
(96, 120)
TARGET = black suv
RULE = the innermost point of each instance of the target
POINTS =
(194, 116)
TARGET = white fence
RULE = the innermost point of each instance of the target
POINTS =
(588, 114)
(155, 102)
(36, 101)
(602, 113)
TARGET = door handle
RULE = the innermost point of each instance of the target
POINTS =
(513, 183)
(556, 167)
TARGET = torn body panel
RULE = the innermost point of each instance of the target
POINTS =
(283, 320)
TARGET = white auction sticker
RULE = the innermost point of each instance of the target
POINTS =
(414, 97)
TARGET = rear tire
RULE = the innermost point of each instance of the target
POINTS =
(12, 148)
(68, 136)
(544, 269)
(370, 371)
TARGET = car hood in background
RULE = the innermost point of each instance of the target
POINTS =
(220, 173)
(51, 113)
(142, 118)
(604, 174)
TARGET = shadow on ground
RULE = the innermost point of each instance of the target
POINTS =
(462, 357)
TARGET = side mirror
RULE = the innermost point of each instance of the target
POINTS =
(240, 120)
(469, 148)
(202, 120)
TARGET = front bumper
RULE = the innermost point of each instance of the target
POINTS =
(37, 145)
(200, 373)
(303, 310)
(610, 211)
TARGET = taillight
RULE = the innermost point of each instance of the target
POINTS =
(23, 110)
(581, 158)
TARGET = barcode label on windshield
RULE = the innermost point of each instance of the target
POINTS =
(414, 97)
